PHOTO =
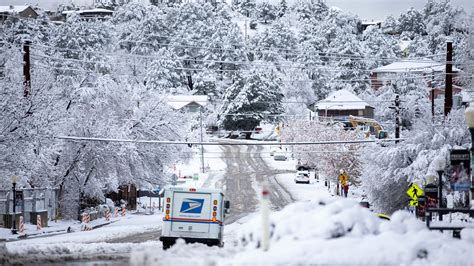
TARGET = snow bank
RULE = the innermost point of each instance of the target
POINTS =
(326, 230)
(339, 231)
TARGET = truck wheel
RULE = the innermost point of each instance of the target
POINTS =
(166, 245)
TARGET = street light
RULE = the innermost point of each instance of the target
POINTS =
(469, 115)
(14, 179)
(440, 164)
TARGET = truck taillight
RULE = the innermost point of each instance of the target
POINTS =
(215, 202)
(167, 217)
(214, 214)
(215, 208)
(214, 219)
(167, 206)
(167, 212)
(168, 200)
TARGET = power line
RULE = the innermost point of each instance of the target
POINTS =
(322, 65)
(260, 143)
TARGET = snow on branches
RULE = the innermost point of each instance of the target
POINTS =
(328, 159)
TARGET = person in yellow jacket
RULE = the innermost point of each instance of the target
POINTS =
(343, 178)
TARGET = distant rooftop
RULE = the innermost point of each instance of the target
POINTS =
(342, 100)
(11, 9)
(424, 65)
(87, 11)
(179, 101)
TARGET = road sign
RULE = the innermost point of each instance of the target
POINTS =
(414, 203)
(414, 191)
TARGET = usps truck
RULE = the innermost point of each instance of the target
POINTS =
(195, 215)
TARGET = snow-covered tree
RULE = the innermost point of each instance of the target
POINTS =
(329, 159)
(388, 170)
(412, 23)
(266, 12)
(282, 7)
(255, 97)
(390, 25)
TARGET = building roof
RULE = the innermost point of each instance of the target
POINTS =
(368, 23)
(179, 101)
(421, 66)
(342, 100)
(88, 11)
(11, 9)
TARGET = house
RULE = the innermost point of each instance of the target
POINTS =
(365, 24)
(431, 70)
(90, 14)
(188, 103)
(21, 11)
(343, 103)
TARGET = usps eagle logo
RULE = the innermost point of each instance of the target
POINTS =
(192, 205)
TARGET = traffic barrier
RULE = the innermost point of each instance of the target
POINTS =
(116, 212)
(86, 218)
(38, 223)
(22, 226)
(107, 214)
(123, 211)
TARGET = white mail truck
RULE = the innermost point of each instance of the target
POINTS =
(194, 215)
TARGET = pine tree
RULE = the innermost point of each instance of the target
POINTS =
(282, 8)
(256, 97)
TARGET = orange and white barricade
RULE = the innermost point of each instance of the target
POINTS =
(86, 218)
(107, 214)
(116, 212)
(22, 226)
(123, 211)
(39, 226)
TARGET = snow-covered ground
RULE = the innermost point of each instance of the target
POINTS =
(325, 230)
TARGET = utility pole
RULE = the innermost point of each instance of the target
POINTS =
(448, 92)
(397, 117)
(26, 69)
(202, 147)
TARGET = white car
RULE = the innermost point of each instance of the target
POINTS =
(279, 156)
(302, 177)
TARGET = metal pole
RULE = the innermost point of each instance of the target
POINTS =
(397, 117)
(265, 218)
(440, 193)
(26, 69)
(471, 191)
(14, 209)
(448, 94)
(202, 147)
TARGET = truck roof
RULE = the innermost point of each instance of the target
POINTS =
(189, 189)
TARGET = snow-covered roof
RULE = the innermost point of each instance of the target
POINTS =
(11, 9)
(342, 100)
(179, 101)
(86, 11)
(372, 22)
(420, 66)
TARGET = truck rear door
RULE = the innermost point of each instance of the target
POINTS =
(191, 212)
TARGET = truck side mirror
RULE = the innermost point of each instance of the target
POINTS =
(227, 206)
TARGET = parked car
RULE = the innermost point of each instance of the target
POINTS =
(302, 177)
(279, 156)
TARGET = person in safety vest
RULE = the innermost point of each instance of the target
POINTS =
(343, 178)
